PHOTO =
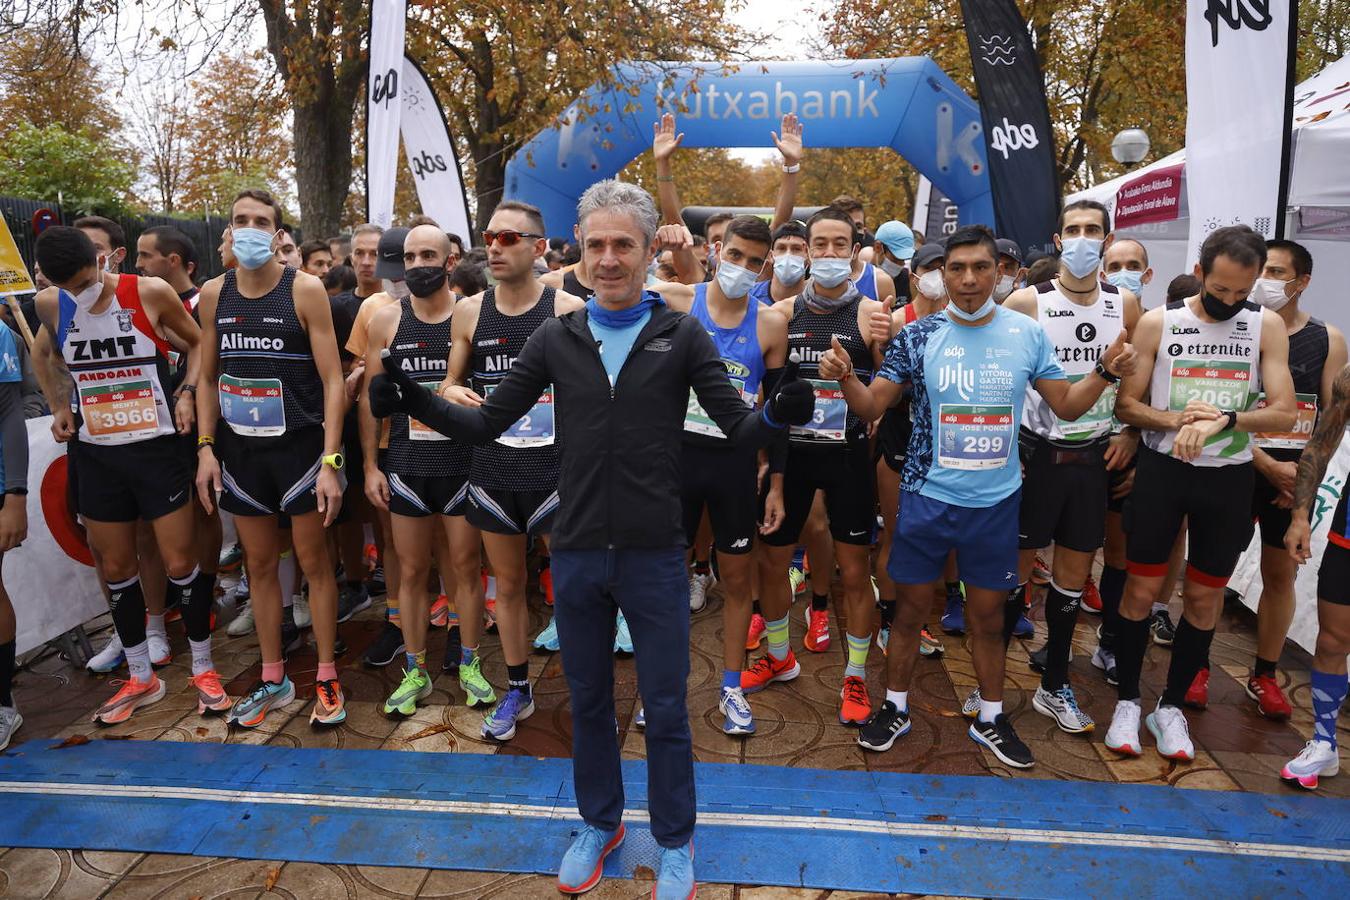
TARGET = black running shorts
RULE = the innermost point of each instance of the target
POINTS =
(847, 476)
(267, 476)
(499, 511)
(1064, 494)
(123, 483)
(722, 480)
(417, 496)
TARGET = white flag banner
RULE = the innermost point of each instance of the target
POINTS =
(1237, 81)
(431, 155)
(50, 577)
(383, 107)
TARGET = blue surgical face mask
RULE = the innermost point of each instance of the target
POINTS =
(1128, 279)
(957, 312)
(830, 271)
(735, 281)
(252, 247)
(789, 268)
(1081, 256)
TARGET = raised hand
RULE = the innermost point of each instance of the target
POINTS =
(1120, 358)
(664, 138)
(790, 142)
(835, 364)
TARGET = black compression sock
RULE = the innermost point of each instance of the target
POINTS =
(1112, 588)
(887, 608)
(1131, 642)
(1190, 652)
(1061, 614)
(6, 672)
(195, 594)
(1265, 667)
(754, 608)
(518, 677)
(820, 601)
(1013, 608)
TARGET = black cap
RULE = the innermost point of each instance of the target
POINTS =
(926, 255)
(1010, 249)
(390, 264)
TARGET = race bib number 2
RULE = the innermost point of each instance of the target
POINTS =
(253, 407)
(828, 418)
(120, 412)
(974, 437)
(535, 428)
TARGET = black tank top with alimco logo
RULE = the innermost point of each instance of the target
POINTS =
(497, 341)
(269, 384)
(422, 349)
(810, 333)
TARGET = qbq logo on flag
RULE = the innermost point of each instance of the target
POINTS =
(1237, 51)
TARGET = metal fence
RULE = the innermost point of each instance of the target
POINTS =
(204, 232)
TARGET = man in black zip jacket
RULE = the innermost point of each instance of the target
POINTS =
(621, 371)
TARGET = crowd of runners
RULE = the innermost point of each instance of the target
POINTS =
(920, 418)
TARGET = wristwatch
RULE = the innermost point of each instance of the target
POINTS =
(333, 461)
(1101, 370)
(1232, 420)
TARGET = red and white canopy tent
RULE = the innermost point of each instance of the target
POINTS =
(1149, 204)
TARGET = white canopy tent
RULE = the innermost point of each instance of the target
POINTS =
(1149, 204)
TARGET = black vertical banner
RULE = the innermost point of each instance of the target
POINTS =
(1016, 119)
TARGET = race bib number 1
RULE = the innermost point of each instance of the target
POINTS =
(1297, 437)
(120, 412)
(974, 437)
(253, 407)
(419, 432)
(829, 416)
(535, 428)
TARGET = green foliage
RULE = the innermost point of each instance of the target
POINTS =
(88, 174)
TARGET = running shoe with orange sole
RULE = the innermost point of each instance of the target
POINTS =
(1040, 571)
(132, 696)
(211, 696)
(817, 638)
(755, 636)
(440, 612)
(1092, 598)
(1197, 695)
(855, 706)
(546, 585)
(330, 708)
(766, 670)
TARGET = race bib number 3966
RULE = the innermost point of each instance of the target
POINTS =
(119, 412)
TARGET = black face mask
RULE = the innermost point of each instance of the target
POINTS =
(424, 281)
(1217, 309)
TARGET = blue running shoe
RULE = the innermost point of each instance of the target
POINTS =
(500, 724)
(739, 719)
(250, 710)
(1023, 628)
(675, 880)
(584, 862)
(954, 618)
(623, 641)
(548, 638)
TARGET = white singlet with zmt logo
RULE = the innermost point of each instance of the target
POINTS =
(1218, 363)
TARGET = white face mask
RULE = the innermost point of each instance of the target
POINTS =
(399, 290)
(1269, 292)
(830, 271)
(86, 298)
(892, 269)
(789, 268)
(735, 281)
(1003, 288)
(931, 285)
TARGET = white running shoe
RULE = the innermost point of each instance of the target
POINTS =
(242, 623)
(971, 707)
(158, 645)
(300, 611)
(1123, 735)
(1317, 758)
(1172, 733)
(699, 585)
(109, 658)
(10, 720)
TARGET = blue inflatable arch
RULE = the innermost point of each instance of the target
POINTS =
(909, 105)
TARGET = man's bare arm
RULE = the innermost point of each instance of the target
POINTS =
(1312, 465)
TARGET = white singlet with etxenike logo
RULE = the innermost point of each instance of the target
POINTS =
(1218, 363)
(1080, 334)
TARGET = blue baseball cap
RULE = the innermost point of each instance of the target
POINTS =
(897, 237)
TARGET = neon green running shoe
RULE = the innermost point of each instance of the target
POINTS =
(797, 578)
(416, 685)
(476, 689)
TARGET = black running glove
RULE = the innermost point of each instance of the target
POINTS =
(393, 391)
(793, 401)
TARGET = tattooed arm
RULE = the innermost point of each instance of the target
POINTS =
(1312, 465)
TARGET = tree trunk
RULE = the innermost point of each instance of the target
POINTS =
(489, 181)
(323, 164)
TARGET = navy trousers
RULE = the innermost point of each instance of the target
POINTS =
(651, 587)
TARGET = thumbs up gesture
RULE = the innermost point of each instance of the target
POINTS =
(1120, 358)
(793, 401)
(393, 391)
(879, 323)
(835, 364)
